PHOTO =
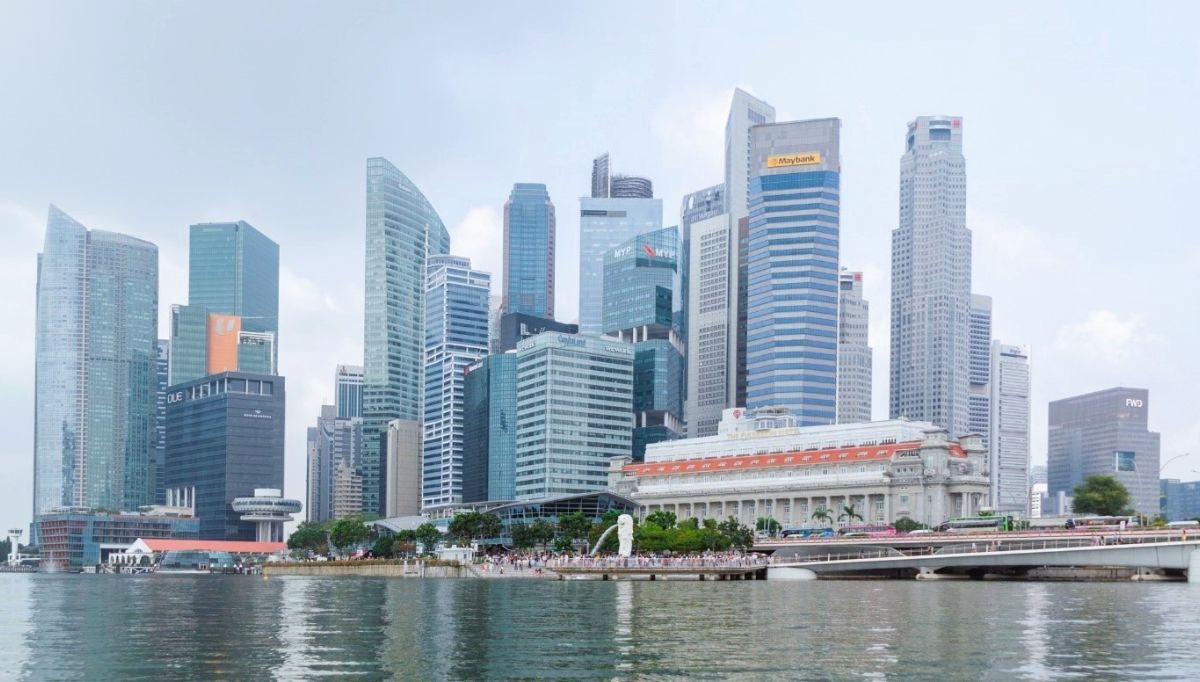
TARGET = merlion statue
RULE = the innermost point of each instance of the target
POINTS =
(624, 534)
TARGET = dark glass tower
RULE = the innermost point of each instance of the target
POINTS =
(529, 251)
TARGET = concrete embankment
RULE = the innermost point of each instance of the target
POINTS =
(369, 568)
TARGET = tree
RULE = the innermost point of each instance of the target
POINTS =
(6, 549)
(404, 542)
(768, 525)
(463, 527)
(574, 526)
(739, 536)
(522, 535)
(490, 526)
(347, 532)
(428, 535)
(309, 536)
(541, 531)
(1100, 494)
(850, 513)
(562, 544)
(662, 518)
(907, 525)
(823, 514)
(382, 547)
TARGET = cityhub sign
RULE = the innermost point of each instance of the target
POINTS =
(785, 160)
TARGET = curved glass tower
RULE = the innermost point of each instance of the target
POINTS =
(402, 231)
(96, 353)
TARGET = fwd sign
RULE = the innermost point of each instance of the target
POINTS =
(1132, 402)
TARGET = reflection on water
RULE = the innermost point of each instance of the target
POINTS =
(238, 627)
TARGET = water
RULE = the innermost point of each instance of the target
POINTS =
(70, 627)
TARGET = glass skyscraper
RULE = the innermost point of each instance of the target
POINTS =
(94, 368)
(456, 336)
(641, 286)
(490, 429)
(979, 352)
(604, 224)
(233, 269)
(792, 269)
(348, 390)
(402, 230)
(529, 251)
(1010, 422)
(574, 411)
(931, 279)
(162, 377)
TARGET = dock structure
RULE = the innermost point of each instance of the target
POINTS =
(659, 568)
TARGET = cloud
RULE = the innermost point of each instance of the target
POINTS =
(480, 237)
(1105, 337)
(1011, 246)
(690, 127)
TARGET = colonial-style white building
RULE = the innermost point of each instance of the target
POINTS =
(761, 464)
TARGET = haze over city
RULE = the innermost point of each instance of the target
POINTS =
(1078, 143)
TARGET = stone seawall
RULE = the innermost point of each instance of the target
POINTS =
(366, 568)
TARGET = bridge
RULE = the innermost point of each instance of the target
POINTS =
(979, 558)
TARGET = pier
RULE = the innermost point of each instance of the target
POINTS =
(655, 568)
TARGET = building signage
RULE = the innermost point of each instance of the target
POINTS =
(802, 159)
(258, 414)
(568, 340)
(1134, 402)
(175, 397)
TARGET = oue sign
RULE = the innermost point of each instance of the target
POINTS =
(1133, 402)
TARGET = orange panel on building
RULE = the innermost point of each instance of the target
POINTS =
(223, 333)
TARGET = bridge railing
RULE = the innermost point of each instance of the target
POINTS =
(978, 547)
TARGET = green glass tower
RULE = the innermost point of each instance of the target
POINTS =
(402, 230)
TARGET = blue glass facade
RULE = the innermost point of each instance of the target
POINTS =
(224, 438)
(1179, 501)
(456, 336)
(95, 379)
(792, 269)
(529, 251)
(605, 224)
(160, 417)
(402, 230)
(490, 429)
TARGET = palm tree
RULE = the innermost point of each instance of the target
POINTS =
(823, 514)
(850, 513)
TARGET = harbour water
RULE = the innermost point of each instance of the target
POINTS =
(71, 627)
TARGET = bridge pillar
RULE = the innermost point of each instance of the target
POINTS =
(1193, 571)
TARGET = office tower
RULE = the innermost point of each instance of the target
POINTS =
(709, 332)
(600, 176)
(94, 368)
(224, 440)
(979, 367)
(574, 413)
(604, 224)
(1105, 433)
(1180, 500)
(402, 231)
(334, 451)
(516, 327)
(631, 187)
(706, 203)
(402, 482)
(1010, 405)
(490, 429)
(231, 321)
(456, 336)
(348, 390)
(495, 310)
(529, 251)
(854, 351)
(641, 284)
(162, 365)
(792, 269)
(931, 279)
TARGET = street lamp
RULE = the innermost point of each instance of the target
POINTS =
(1164, 465)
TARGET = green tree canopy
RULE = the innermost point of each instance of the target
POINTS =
(347, 532)
(739, 536)
(850, 513)
(768, 525)
(522, 535)
(1100, 494)
(382, 547)
(308, 536)
(822, 514)
(906, 525)
(661, 518)
(541, 531)
(575, 525)
(428, 535)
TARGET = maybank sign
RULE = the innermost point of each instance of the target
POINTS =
(802, 159)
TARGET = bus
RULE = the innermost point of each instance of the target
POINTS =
(867, 530)
(977, 524)
(1176, 525)
(806, 533)
(1100, 522)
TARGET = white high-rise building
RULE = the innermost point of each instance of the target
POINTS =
(931, 279)
(854, 352)
(979, 383)
(1008, 446)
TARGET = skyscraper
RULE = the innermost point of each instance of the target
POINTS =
(792, 269)
(574, 399)
(529, 251)
(231, 321)
(641, 285)
(697, 206)
(979, 389)
(604, 224)
(334, 453)
(709, 332)
(631, 187)
(490, 429)
(1008, 453)
(1105, 432)
(402, 230)
(348, 390)
(854, 351)
(600, 178)
(931, 279)
(456, 336)
(94, 368)
(162, 365)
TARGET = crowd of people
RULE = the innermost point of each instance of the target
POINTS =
(705, 560)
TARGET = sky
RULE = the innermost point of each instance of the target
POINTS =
(1080, 136)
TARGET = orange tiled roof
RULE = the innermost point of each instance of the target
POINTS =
(231, 546)
(864, 453)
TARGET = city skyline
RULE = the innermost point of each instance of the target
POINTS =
(1084, 342)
